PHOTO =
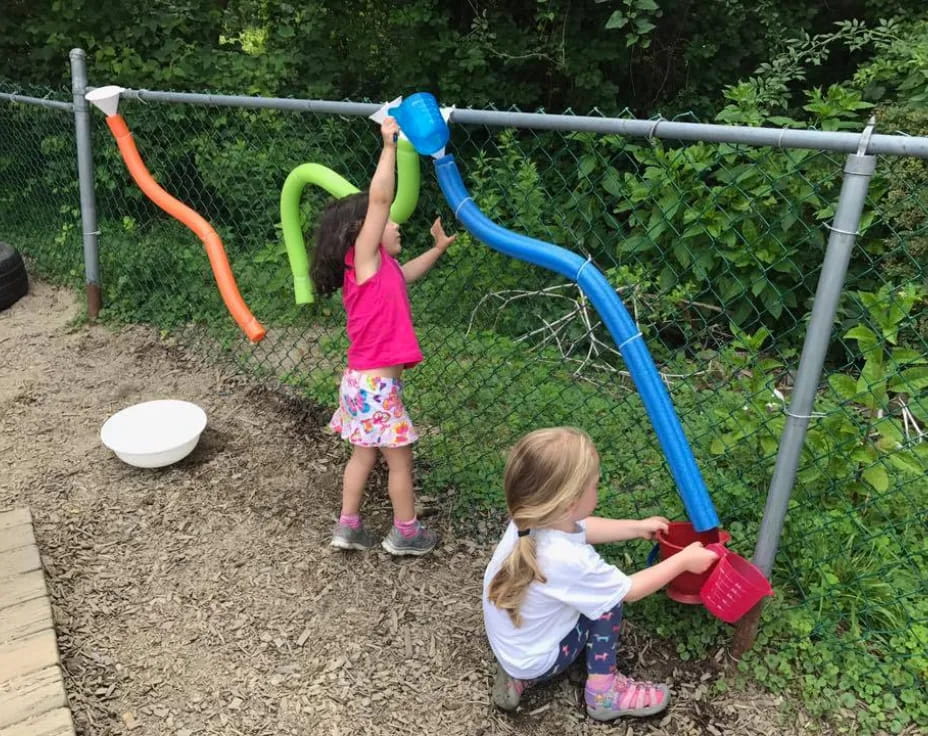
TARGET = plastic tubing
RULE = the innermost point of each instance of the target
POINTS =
(407, 195)
(201, 228)
(290, 195)
(621, 326)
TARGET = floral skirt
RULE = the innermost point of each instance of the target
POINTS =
(371, 413)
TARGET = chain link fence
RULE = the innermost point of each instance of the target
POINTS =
(715, 248)
(39, 194)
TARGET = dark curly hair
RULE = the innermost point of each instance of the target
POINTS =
(336, 232)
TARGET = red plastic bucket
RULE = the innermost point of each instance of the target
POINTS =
(685, 587)
(734, 586)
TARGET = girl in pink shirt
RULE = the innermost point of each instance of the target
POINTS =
(356, 249)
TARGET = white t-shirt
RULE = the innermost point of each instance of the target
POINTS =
(579, 581)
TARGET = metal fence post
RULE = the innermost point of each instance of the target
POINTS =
(858, 169)
(86, 181)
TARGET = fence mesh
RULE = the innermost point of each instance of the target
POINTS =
(39, 196)
(716, 249)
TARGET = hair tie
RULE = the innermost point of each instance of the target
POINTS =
(524, 532)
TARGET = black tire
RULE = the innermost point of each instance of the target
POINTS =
(14, 283)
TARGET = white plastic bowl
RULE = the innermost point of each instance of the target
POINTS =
(155, 433)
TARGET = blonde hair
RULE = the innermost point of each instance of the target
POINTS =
(546, 474)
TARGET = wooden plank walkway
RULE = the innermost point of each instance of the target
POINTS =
(32, 699)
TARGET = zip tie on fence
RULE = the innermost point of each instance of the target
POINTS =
(864, 143)
(780, 138)
(587, 262)
(843, 232)
(653, 130)
(135, 94)
(93, 232)
(633, 337)
(813, 415)
(461, 204)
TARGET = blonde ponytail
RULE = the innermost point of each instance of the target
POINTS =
(510, 584)
(546, 475)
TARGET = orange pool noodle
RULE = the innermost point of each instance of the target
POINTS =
(201, 228)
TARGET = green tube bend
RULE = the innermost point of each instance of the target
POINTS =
(407, 195)
(335, 185)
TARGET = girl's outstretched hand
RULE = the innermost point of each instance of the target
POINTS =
(442, 241)
(389, 129)
(649, 528)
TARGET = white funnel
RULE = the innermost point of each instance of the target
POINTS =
(446, 113)
(106, 98)
(378, 116)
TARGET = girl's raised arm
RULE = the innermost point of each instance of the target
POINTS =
(380, 197)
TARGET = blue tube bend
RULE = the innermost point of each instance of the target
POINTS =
(618, 321)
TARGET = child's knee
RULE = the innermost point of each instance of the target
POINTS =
(399, 459)
(364, 456)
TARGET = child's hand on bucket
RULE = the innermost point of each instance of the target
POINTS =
(652, 526)
(697, 558)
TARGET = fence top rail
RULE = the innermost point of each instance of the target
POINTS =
(841, 142)
(39, 101)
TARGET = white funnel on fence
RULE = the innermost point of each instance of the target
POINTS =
(383, 112)
(106, 98)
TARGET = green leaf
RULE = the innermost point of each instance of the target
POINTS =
(587, 164)
(876, 476)
(912, 380)
(864, 336)
(774, 303)
(904, 356)
(616, 20)
(781, 121)
(612, 184)
(873, 374)
(886, 445)
(888, 427)
(844, 386)
(906, 462)
(693, 230)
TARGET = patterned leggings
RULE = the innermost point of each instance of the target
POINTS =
(599, 637)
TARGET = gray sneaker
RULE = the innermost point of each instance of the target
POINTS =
(507, 690)
(422, 543)
(345, 537)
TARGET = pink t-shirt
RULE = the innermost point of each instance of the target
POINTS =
(380, 330)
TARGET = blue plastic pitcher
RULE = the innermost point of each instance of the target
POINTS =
(421, 121)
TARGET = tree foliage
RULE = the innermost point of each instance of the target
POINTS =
(647, 55)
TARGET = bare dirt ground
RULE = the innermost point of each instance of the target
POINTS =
(203, 599)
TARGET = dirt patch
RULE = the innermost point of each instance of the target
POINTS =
(203, 598)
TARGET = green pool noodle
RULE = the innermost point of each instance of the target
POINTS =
(297, 179)
(407, 194)
(407, 182)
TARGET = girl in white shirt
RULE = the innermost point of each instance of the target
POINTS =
(548, 595)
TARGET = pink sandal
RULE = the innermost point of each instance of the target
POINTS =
(627, 697)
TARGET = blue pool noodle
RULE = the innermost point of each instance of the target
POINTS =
(621, 326)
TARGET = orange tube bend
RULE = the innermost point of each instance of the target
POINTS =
(201, 228)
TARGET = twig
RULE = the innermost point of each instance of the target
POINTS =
(702, 305)
(554, 331)
(909, 418)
